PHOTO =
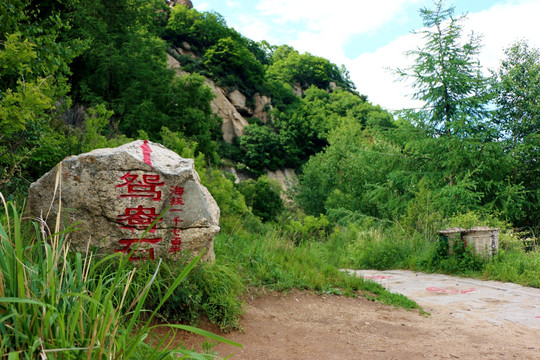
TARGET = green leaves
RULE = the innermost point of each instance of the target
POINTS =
(28, 102)
(263, 196)
(293, 68)
(229, 59)
(517, 87)
(447, 75)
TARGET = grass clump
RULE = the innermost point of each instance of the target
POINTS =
(213, 290)
(55, 304)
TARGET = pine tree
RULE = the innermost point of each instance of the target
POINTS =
(447, 75)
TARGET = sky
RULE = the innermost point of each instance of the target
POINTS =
(370, 37)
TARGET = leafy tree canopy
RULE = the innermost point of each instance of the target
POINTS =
(293, 68)
(447, 76)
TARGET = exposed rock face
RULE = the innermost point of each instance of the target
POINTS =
(297, 90)
(238, 176)
(187, 3)
(114, 195)
(287, 178)
(233, 123)
(184, 51)
(238, 100)
(262, 105)
(231, 107)
(174, 64)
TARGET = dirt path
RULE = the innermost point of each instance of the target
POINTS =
(478, 320)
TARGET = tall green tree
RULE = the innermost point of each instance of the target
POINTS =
(446, 75)
(517, 90)
(125, 68)
(34, 68)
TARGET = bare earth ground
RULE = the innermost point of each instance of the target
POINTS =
(467, 321)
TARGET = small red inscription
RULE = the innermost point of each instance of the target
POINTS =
(176, 201)
(177, 190)
(146, 188)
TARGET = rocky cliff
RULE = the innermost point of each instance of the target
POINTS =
(231, 106)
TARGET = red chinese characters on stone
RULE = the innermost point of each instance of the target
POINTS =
(177, 221)
(176, 240)
(176, 197)
(138, 254)
(177, 193)
(139, 218)
(147, 187)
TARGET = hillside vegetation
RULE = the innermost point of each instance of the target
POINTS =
(373, 186)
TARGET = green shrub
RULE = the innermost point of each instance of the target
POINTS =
(263, 196)
(213, 290)
(308, 228)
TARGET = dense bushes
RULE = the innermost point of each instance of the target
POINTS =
(263, 196)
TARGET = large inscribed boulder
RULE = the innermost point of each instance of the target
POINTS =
(139, 198)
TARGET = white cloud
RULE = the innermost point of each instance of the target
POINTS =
(373, 74)
(325, 26)
(503, 25)
(346, 16)
(500, 26)
(202, 7)
(257, 30)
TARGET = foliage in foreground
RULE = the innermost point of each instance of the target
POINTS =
(56, 305)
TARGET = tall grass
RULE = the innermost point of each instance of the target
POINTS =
(273, 261)
(213, 290)
(55, 304)
(390, 247)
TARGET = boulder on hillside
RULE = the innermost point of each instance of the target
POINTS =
(263, 104)
(298, 90)
(139, 198)
(238, 100)
(174, 64)
(233, 123)
(181, 51)
(187, 3)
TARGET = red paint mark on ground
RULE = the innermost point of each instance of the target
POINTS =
(377, 277)
(448, 291)
(146, 153)
(538, 317)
